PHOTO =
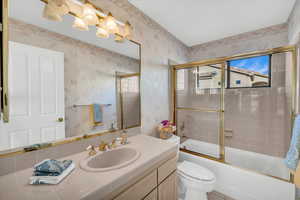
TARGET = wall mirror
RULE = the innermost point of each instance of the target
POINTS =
(64, 82)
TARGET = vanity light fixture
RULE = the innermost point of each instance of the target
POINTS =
(87, 14)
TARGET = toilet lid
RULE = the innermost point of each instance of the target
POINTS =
(195, 171)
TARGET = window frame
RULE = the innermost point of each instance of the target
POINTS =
(228, 86)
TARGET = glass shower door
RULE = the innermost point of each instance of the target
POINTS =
(258, 113)
(199, 109)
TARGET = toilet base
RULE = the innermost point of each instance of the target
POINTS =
(195, 195)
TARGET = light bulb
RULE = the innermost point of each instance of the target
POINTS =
(101, 32)
(89, 15)
(110, 24)
(80, 24)
(51, 13)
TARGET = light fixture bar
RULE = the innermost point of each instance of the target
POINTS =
(87, 14)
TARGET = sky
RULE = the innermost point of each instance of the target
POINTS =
(258, 64)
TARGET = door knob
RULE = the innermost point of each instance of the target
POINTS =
(60, 119)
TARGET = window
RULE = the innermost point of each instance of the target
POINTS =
(249, 72)
(208, 78)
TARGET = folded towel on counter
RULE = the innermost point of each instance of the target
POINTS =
(51, 167)
(292, 157)
(97, 114)
(51, 171)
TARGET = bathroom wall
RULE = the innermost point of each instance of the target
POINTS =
(257, 118)
(84, 78)
(266, 38)
(294, 24)
(158, 46)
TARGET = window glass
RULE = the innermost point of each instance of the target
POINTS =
(249, 72)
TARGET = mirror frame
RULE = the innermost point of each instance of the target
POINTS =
(5, 100)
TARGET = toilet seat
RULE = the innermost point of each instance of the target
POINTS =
(195, 172)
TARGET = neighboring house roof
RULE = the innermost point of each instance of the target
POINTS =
(243, 71)
(247, 72)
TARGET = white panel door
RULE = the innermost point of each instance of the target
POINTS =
(36, 93)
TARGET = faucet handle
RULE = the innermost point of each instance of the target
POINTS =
(103, 146)
(124, 137)
(92, 150)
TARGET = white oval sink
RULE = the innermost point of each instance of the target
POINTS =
(110, 160)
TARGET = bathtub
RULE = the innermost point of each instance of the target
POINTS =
(243, 184)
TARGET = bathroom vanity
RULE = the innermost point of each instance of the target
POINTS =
(151, 176)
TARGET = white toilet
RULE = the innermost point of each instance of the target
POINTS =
(194, 181)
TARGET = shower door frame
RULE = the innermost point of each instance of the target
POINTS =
(223, 61)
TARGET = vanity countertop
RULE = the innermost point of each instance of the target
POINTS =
(81, 184)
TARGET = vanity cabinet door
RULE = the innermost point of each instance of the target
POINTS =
(152, 195)
(140, 189)
(167, 190)
(166, 169)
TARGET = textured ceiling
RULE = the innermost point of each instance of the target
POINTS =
(199, 21)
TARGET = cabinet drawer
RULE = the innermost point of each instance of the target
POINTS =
(166, 169)
(139, 190)
(152, 195)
